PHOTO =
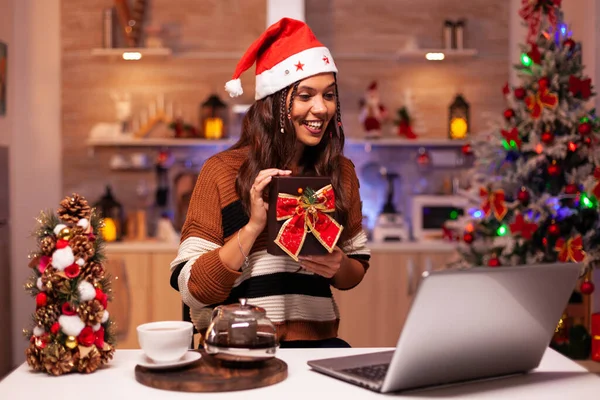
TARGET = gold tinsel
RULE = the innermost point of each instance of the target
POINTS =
(33, 356)
(47, 245)
(91, 312)
(91, 362)
(47, 315)
(73, 208)
(58, 360)
(92, 271)
(82, 247)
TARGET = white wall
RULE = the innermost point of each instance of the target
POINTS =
(277, 9)
(35, 140)
(6, 36)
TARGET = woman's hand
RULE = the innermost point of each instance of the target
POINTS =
(258, 207)
(325, 265)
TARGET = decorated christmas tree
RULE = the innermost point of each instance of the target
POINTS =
(535, 183)
(72, 330)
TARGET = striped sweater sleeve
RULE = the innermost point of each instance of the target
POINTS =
(355, 243)
(203, 279)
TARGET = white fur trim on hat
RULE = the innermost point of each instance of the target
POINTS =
(234, 87)
(301, 65)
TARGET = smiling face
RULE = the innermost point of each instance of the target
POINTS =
(313, 107)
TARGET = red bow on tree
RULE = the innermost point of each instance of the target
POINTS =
(580, 86)
(304, 214)
(596, 190)
(570, 250)
(522, 227)
(543, 98)
(493, 201)
(532, 11)
(512, 135)
(534, 54)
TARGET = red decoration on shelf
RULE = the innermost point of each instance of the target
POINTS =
(570, 250)
(423, 158)
(509, 113)
(493, 202)
(523, 196)
(520, 93)
(467, 150)
(582, 87)
(584, 128)
(522, 227)
(587, 287)
(468, 238)
(553, 229)
(543, 98)
(554, 169)
(512, 135)
(547, 137)
(494, 262)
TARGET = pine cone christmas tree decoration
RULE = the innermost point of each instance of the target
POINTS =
(47, 245)
(91, 362)
(92, 271)
(91, 312)
(73, 208)
(82, 247)
(107, 355)
(57, 360)
(33, 356)
(50, 279)
(47, 315)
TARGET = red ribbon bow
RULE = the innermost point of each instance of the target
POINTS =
(522, 227)
(543, 98)
(532, 11)
(570, 250)
(580, 86)
(302, 216)
(512, 135)
(493, 201)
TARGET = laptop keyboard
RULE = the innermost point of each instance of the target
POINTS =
(374, 373)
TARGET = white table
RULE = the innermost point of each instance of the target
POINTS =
(556, 378)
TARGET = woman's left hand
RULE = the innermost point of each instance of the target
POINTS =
(326, 265)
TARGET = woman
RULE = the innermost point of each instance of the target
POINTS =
(289, 130)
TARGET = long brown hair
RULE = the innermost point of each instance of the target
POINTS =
(269, 147)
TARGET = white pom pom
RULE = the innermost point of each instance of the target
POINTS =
(105, 316)
(84, 223)
(234, 87)
(59, 228)
(96, 327)
(86, 291)
(38, 331)
(62, 258)
(71, 325)
(39, 284)
(80, 262)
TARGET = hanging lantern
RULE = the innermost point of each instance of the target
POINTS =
(112, 213)
(458, 121)
(213, 118)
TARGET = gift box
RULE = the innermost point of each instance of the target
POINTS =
(595, 332)
(300, 220)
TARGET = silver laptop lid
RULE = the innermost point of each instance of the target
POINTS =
(479, 322)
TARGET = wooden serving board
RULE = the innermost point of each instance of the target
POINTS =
(210, 375)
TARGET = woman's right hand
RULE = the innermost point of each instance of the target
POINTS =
(258, 207)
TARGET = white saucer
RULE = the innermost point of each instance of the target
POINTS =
(188, 358)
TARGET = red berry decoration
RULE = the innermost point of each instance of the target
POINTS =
(553, 169)
(468, 238)
(547, 137)
(584, 128)
(523, 196)
(41, 299)
(587, 287)
(553, 229)
(571, 188)
(494, 262)
(570, 43)
(509, 113)
(520, 93)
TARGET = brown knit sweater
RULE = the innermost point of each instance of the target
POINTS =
(299, 303)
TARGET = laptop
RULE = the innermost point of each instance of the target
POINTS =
(466, 325)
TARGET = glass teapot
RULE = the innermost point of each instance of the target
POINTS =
(241, 333)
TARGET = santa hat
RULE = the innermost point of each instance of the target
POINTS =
(286, 52)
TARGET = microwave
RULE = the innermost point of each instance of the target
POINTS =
(430, 212)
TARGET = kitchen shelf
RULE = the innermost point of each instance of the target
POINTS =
(409, 54)
(143, 52)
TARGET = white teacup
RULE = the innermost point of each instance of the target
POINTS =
(165, 341)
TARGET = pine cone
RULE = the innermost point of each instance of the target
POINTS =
(107, 355)
(82, 247)
(91, 312)
(48, 244)
(47, 315)
(74, 208)
(34, 261)
(58, 360)
(92, 271)
(91, 362)
(50, 279)
(33, 356)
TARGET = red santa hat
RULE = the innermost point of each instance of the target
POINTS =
(286, 52)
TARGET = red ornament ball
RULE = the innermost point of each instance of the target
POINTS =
(587, 141)
(467, 150)
(520, 93)
(509, 113)
(41, 299)
(494, 262)
(571, 188)
(553, 170)
(543, 82)
(547, 137)
(587, 287)
(570, 43)
(523, 196)
(468, 238)
(584, 128)
(553, 229)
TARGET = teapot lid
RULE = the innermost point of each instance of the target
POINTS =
(243, 309)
